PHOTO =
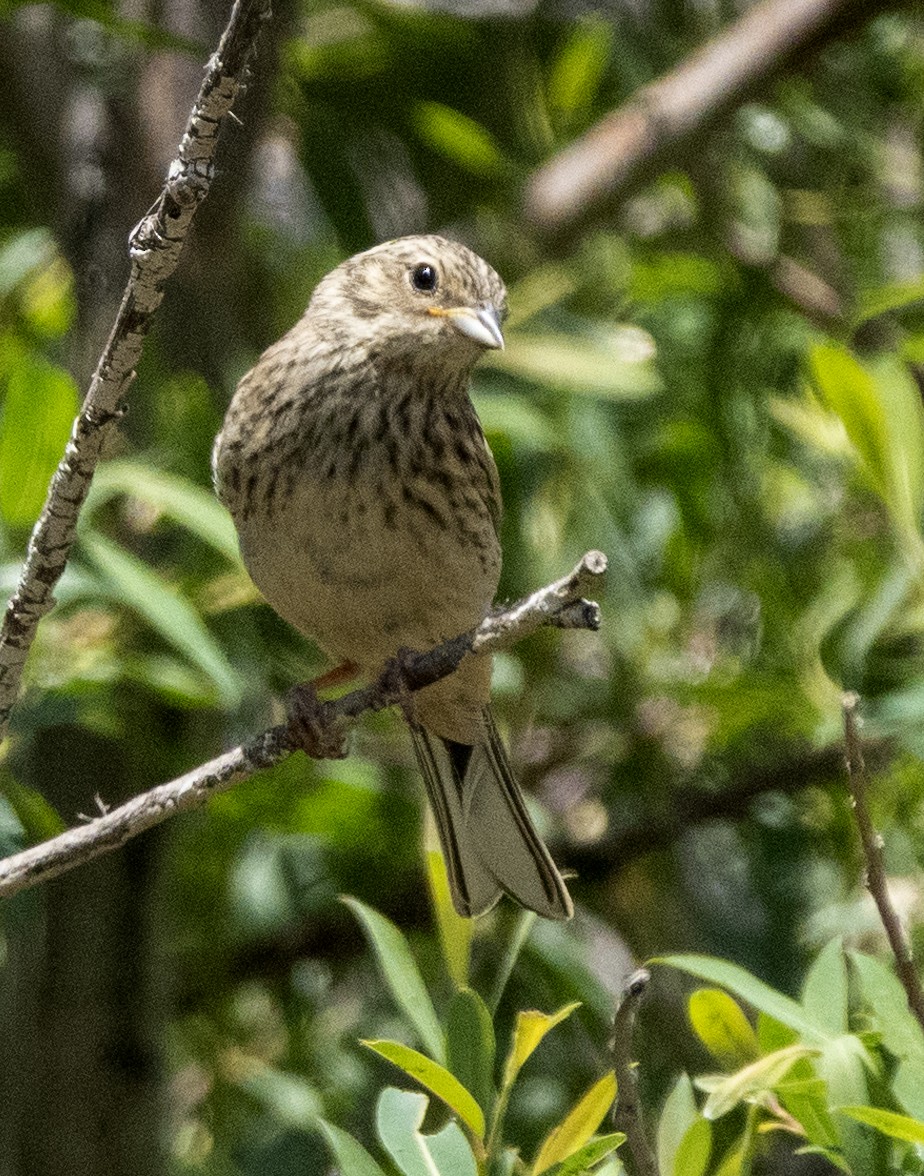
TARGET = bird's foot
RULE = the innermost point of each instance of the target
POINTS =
(394, 684)
(308, 728)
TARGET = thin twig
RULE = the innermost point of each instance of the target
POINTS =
(627, 1114)
(876, 881)
(588, 175)
(560, 604)
(155, 246)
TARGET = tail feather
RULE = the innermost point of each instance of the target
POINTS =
(489, 841)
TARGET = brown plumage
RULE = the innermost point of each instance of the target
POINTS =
(367, 504)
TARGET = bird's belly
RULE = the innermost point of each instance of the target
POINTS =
(365, 576)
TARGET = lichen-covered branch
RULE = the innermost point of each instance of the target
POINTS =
(155, 245)
(560, 604)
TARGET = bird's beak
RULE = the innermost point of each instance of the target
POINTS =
(481, 323)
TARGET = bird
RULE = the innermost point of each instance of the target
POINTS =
(367, 504)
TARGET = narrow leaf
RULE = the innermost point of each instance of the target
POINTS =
(470, 1045)
(748, 988)
(896, 1126)
(530, 1028)
(435, 1078)
(166, 611)
(401, 974)
(351, 1157)
(591, 1153)
(577, 1126)
(678, 1115)
(752, 1081)
(455, 931)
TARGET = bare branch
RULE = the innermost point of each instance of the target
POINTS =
(590, 173)
(627, 1114)
(155, 246)
(560, 604)
(876, 882)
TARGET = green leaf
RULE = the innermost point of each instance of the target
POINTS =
(451, 1152)
(844, 1064)
(694, 1150)
(824, 993)
(896, 1126)
(38, 413)
(806, 1099)
(751, 1082)
(23, 253)
(722, 1027)
(748, 988)
(470, 1045)
(401, 974)
(458, 138)
(577, 1126)
(190, 506)
(435, 1078)
(678, 1115)
(531, 1026)
(576, 74)
(455, 931)
(613, 365)
(166, 611)
(890, 298)
(351, 1157)
(399, 1115)
(591, 1154)
(849, 391)
(39, 819)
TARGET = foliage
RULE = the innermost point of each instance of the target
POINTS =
(719, 386)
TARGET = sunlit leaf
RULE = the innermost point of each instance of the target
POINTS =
(748, 988)
(592, 1153)
(890, 1123)
(458, 137)
(577, 1126)
(824, 994)
(611, 364)
(455, 931)
(576, 73)
(750, 1082)
(39, 406)
(722, 1027)
(678, 1115)
(435, 1078)
(531, 1026)
(401, 974)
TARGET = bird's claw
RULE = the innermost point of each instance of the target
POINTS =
(394, 684)
(308, 729)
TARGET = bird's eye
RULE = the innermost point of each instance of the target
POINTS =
(423, 278)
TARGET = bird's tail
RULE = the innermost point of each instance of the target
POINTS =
(488, 839)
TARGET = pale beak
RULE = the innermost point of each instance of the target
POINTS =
(481, 323)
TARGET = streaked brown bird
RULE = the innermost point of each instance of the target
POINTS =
(367, 504)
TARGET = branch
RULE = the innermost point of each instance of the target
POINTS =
(560, 604)
(627, 1115)
(876, 882)
(155, 245)
(588, 175)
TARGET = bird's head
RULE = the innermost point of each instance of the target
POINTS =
(423, 301)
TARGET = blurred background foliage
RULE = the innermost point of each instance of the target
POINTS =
(719, 386)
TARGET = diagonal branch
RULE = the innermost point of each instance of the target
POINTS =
(560, 604)
(629, 143)
(155, 246)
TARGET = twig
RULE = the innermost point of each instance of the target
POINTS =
(876, 882)
(155, 245)
(589, 174)
(627, 1114)
(560, 604)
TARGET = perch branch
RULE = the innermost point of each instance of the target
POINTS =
(589, 174)
(627, 1114)
(876, 882)
(560, 604)
(155, 245)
